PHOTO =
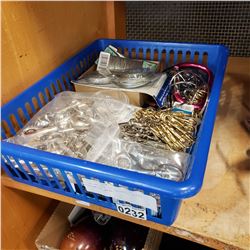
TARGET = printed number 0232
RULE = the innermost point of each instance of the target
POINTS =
(132, 211)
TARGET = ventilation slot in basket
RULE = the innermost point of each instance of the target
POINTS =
(60, 87)
(156, 55)
(74, 74)
(179, 56)
(140, 54)
(126, 53)
(188, 56)
(65, 180)
(58, 177)
(171, 58)
(48, 94)
(8, 128)
(54, 91)
(205, 58)
(40, 171)
(148, 54)
(22, 116)
(120, 50)
(78, 71)
(133, 53)
(12, 166)
(65, 83)
(36, 106)
(196, 57)
(15, 125)
(43, 99)
(163, 60)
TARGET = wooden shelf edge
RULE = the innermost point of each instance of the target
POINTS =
(173, 230)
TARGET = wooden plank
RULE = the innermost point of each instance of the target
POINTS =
(110, 17)
(116, 19)
(120, 20)
(38, 36)
(23, 217)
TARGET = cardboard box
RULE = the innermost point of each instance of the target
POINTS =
(58, 225)
(135, 98)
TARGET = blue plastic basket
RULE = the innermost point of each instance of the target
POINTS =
(169, 193)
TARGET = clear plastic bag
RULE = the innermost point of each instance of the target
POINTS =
(94, 78)
(66, 124)
(145, 159)
(135, 79)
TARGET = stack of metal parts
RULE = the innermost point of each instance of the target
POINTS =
(175, 129)
(190, 84)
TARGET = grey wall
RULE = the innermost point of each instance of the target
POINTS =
(225, 23)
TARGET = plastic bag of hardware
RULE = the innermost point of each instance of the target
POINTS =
(64, 124)
(100, 143)
(145, 159)
(113, 105)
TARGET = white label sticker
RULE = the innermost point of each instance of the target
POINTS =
(120, 193)
(139, 213)
(183, 107)
(103, 61)
(84, 203)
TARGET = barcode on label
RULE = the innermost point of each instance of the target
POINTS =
(103, 61)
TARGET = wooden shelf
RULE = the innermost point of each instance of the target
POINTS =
(177, 231)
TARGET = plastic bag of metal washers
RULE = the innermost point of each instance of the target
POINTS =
(145, 159)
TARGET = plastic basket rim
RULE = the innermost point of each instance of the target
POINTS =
(164, 43)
